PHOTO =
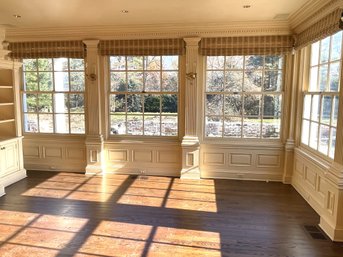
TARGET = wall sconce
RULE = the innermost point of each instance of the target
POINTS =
(91, 75)
(191, 75)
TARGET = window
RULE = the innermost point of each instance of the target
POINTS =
(243, 96)
(319, 120)
(53, 95)
(144, 95)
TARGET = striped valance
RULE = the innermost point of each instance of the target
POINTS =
(47, 49)
(172, 46)
(321, 29)
(257, 45)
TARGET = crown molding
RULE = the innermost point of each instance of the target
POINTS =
(311, 12)
(149, 31)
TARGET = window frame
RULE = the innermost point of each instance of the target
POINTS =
(108, 94)
(239, 140)
(321, 94)
(53, 92)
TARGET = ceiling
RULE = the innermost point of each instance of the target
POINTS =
(74, 13)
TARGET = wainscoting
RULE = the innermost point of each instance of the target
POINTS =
(138, 157)
(55, 153)
(315, 179)
(242, 162)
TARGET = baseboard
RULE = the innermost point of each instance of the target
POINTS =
(239, 175)
(334, 233)
(149, 171)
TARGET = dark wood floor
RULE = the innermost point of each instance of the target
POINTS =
(68, 214)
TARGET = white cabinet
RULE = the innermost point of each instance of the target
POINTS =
(9, 157)
(11, 146)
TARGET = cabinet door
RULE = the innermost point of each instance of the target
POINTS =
(9, 158)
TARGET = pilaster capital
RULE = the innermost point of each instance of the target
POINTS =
(91, 43)
(192, 41)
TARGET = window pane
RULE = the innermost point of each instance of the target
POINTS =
(135, 62)
(77, 123)
(272, 105)
(117, 104)
(315, 54)
(326, 110)
(323, 77)
(271, 127)
(274, 62)
(234, 62)
(30, 64)
(31, 123)
(314, 135)
(77, 103)
(305, 132)
(60, 64)
(214, 104)
(134, 125)
(77, 81)
(169, 125)
(233, 105)
(118, 125)
(117, 62)
(61, 81)
(213, 126)
(170, 81)
(61, 123)
(215, 81)
(324, 51)
(169, 104)
(45, 103)
(134, 103)
(307, 107)
(118, 82)
(135, 81)
(152, 104)
(61, 103)
(233, 81)
(336, 46)
(254, 62)
(252, 105)
(170, 62)
(152, 62)
(332, 143)
(315, 112)
(30, 102)
(334, 76)
(152, 125)
(324, 134)
(252, 127)
(31, 81)
(215, 63)
(272, 81)
(45, 81)
(335, 111)
(46, 123)
(233, 127)
(77, 64)
(152, 81)
(313, 79)
(252, 81)
(45, 64)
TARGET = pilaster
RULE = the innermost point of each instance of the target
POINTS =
(291, 104)
(94, 139)
(190, 142)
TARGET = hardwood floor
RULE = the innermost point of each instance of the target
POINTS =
(69, 214)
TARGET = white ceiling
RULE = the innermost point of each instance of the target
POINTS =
(72, 13)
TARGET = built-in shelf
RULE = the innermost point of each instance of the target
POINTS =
(6, 104)
(5, 87)
(6, 121)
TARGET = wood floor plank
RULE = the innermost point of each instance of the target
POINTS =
(70, 214)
